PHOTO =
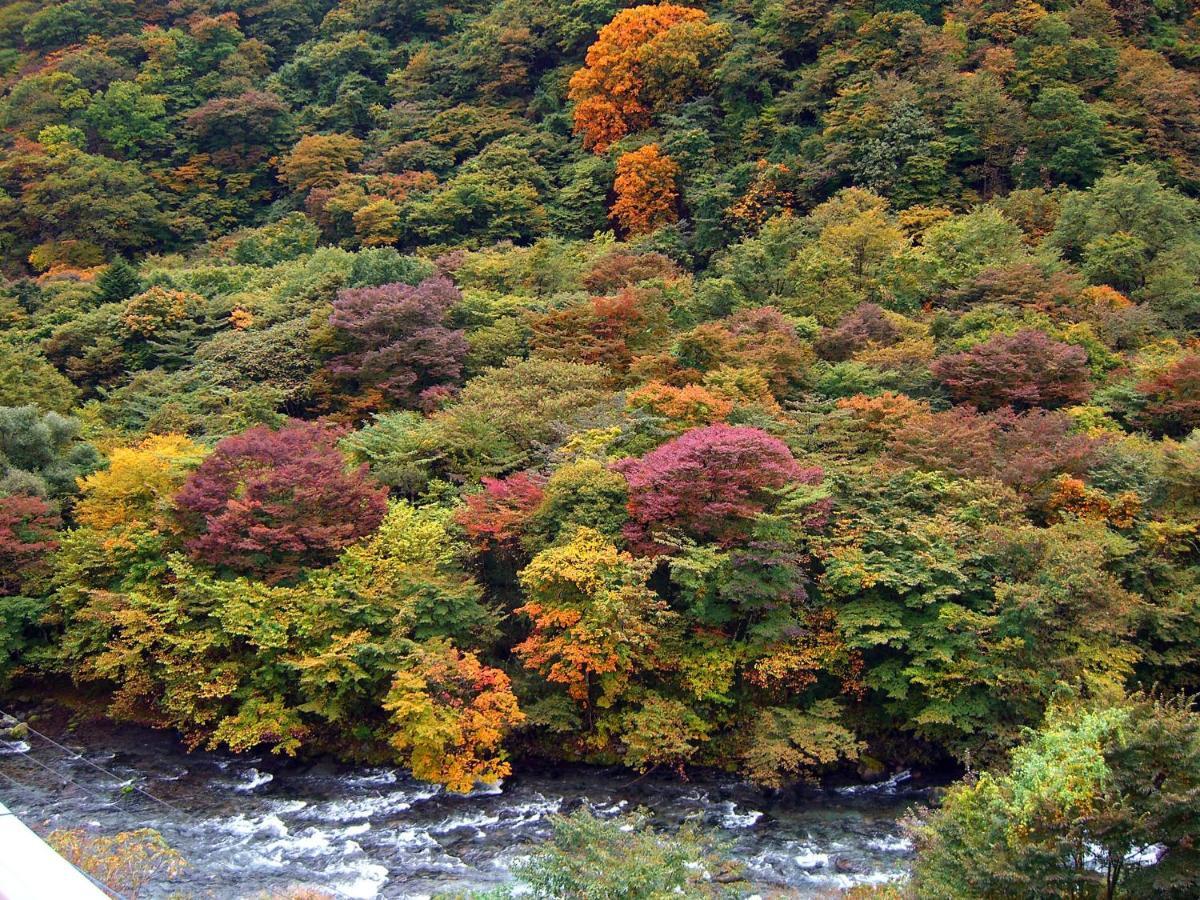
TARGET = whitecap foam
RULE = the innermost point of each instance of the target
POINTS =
(730, 817)
(307, 842)
(483, 789)
(844, 881)
(253, 779)
(809, 857)
(243, 827)
(377, 805)
(363, 879)
(285, 807)
(527, 813)
(371, 777)
(1097, 856)
(414, 838)
(7, 747)
(608, 809)
(887, 786)
(476, 821)
(1146, 856)
(892, 843)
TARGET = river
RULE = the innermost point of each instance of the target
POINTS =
(251, 825)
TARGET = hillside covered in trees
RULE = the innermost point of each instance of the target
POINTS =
(783, 386)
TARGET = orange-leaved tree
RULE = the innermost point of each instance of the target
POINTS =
(646, 190)
(645, 59)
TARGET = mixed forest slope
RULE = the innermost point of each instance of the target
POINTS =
(776, 386)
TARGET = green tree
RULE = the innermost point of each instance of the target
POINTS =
(118, 282)
(1101, 802)
(129, 120)
(1065, 139)
(42, 453)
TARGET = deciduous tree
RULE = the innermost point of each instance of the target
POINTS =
(1024, 369)
(646, 189)
(271, 502)
(708, 484)
(400, 341)
(644, 60)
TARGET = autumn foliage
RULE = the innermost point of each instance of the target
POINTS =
(646, 190)
(271, 501)
(707, 484)
(27, 528)
(496, 517)
(399, 341)
(595, 623)
(829, 394)
(1023, 369)
(645, 59)
(1173, 397)
(450, 715)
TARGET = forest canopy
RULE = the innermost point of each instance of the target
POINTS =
(782, 386)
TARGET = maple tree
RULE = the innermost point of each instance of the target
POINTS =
(1172, 404)
(138, 485)
(496, 517)
(269, 501)
(595, 623)
(400, 342)
(450, 715)
(708, 484)
(606, 331)
(320, 161)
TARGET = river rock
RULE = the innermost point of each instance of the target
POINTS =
(871, 769)
(845, 866)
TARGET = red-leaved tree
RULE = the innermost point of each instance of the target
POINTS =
(1022, 370)
(1026, 451)
(268, 502)
(27, 526)
(497, 517)
(865, 325)
(1173, 398)
(400, 342)
(708, 484)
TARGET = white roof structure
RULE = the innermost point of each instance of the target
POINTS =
(31, 870)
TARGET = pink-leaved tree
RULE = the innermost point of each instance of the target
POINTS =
(708, 484)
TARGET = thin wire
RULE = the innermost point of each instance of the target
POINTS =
(65, 779)
(15, 783)
(122, 782)
(104, 888)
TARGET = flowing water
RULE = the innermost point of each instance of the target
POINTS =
(250, 825)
